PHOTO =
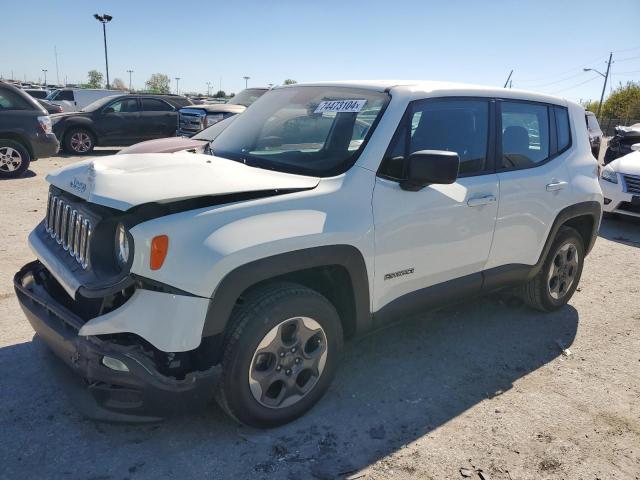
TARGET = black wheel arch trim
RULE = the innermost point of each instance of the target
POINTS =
(592, 209)
(239, 280)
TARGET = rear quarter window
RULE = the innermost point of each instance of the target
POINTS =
(10, 100)
(563, 128)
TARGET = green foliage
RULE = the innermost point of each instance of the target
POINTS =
(158, 83)
(289, 81)
(95, 79)
(220, 94)
(591, 106)
(624, 102)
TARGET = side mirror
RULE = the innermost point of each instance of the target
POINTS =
(108, 110)
(431, 166)
(635, 147)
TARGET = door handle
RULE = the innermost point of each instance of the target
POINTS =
(555, 185)
(478, 201)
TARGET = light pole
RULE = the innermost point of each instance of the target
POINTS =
(130, 72)
(104, 19)
(606, 77)
(177, 85)
(44, 70)
(246, 81)
(208, 89)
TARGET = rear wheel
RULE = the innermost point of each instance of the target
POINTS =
(14, 159)
(280, 355)
(558, 278)
(79, 141)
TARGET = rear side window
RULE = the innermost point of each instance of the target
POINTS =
(155, 105)
(525, 134)
(10, 100)
(563, 129)
(124, 106)
(453, 125)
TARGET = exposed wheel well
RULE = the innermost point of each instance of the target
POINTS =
(331, 281)
(584, 225)
(14, 137)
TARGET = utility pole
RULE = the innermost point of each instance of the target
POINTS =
(208, 89)
(177, 85)
(606, 77)
(246, 81)
(130, 72)
(104, 19)
(508, 78)
(44, 70)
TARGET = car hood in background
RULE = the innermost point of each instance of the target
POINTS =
(124, 181)
(629, 164)
(217, 108)
(165, 145)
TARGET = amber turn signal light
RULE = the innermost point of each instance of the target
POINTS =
(159, 249)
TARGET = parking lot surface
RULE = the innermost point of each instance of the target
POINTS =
(488, 387)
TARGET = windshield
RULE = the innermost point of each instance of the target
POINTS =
(316, 131)
(214, 130)
(247, 97)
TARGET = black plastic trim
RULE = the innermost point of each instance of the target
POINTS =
(245, 276)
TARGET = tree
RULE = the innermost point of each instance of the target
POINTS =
(289, 81)
(591, 105)
(624, 102)
(220, 94)
(118, 84)
(95, 79)
(158, 83)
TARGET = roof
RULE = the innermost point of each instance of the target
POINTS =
(418, 87)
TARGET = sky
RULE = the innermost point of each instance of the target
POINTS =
(546, 43)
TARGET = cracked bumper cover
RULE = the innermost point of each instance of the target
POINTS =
(142, 393)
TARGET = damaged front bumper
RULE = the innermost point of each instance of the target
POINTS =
(137, 391)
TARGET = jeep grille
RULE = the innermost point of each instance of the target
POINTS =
(70, 228)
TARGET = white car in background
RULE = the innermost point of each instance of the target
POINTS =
(620, 183)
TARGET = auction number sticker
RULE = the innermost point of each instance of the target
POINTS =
(338, 106)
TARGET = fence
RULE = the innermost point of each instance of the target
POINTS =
(608, 124)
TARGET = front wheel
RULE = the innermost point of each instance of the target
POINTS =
(79, 141)
(280, 356)
(557, 280)
(14, 159)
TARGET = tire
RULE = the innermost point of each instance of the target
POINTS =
(542, 292)
(79, 141)
(259, 386)
(14, 159)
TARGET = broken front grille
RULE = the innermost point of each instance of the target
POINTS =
(70, 228)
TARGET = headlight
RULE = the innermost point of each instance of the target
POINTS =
(122, 245)
(609, 175)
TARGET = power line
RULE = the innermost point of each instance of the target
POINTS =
(582, 65)
(574, 86)
(627, 59)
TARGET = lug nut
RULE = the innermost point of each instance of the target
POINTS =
(279, 367)
(282, 354)
(288, 372)
(293, 350)
(298, 360)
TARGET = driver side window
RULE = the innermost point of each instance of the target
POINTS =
(126, 105)
(453, 125)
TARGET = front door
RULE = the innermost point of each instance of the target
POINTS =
(441, 232)
(119, 122)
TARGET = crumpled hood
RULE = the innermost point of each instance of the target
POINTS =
(629, 164)
(124, 181)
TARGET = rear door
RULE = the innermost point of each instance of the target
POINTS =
(441, 232)
(158, 119)
(534, 181)
(118, 122)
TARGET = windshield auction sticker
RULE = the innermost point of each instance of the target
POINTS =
(340, 106)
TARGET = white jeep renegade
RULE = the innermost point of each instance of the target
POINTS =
(323, 211)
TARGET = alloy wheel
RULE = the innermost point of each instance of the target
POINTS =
(10, 159)
(563, 271)
(80, 142)
(288, 362)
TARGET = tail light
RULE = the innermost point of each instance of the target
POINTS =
(45, 124)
